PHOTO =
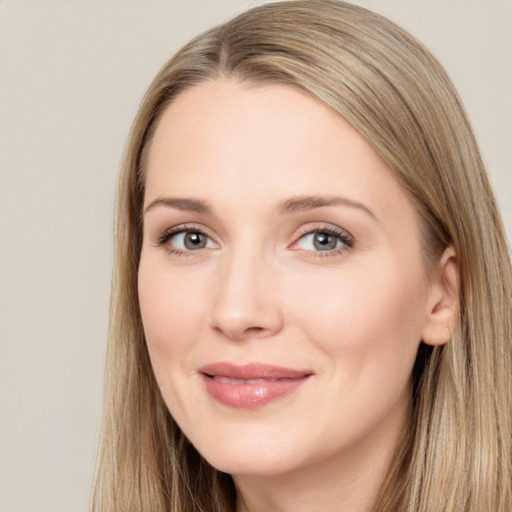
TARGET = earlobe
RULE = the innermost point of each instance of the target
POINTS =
(443, 302)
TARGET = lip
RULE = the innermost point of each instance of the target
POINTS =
(251, 385)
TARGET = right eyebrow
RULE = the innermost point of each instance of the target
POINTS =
(180, 203)
(304, 203)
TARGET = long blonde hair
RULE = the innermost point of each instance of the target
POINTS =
(455, 452)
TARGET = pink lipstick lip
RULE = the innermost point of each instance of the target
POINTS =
(251, 371)
(251, 385)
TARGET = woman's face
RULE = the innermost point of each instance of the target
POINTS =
(282, 285)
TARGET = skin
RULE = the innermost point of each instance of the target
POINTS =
(261, 291)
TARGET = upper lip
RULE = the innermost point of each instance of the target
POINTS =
(252, 371)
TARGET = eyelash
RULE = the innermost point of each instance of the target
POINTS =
(164, 238)
(343, 236)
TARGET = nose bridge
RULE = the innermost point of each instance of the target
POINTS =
(244, 303)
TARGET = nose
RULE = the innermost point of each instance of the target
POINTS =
(246, 301)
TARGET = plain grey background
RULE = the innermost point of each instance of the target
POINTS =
(72, 75)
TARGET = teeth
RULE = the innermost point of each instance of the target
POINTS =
(243, 381)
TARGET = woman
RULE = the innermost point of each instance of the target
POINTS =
(312, 292)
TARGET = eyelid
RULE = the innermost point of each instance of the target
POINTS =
(163, 238)
(346, 238)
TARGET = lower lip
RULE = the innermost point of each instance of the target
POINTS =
(251, 395)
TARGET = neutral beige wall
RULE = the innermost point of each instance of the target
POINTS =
(72, 74)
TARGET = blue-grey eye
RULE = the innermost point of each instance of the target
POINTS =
(320, 241)
(190, 241)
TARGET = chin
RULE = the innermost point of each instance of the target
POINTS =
(256, 466)
(262, 459)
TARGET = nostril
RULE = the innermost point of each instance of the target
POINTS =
(243, 306)
(239, 332)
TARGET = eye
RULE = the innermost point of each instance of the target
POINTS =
(190, 240)
(328, 240)
(182, 239)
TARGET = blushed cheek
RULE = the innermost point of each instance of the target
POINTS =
(363, 318)
(167, 324)
(169, 331)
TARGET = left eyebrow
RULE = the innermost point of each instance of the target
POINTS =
(304, 203)
(180, 203)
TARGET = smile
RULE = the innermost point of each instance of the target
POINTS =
(244, 381)
(250, 386)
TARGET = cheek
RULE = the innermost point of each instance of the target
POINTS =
(171, 309)
(173, 315)
(365, 319)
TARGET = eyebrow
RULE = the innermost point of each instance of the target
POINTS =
(292, 205)
(305, 203)
(186, 204)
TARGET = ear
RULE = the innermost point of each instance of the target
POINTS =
(443, 301)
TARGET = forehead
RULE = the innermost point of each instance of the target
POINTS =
(228, 141)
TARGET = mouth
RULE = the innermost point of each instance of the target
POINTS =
(250, 386)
